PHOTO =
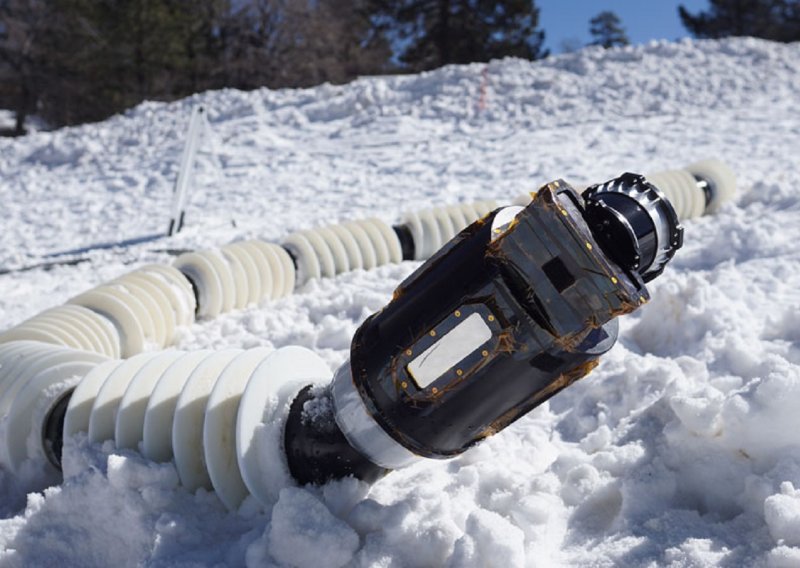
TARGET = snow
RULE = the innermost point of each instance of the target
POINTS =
(681, 448)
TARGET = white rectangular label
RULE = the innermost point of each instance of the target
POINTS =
(459, 342)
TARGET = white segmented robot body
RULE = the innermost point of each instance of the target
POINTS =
(33, 378)
(177, 288)
(23, 422)
(79, 410)
(70, 326)
(332, 250)
(681, 189)
(684, 187)
(129, 423)
(219, 415)
(262, 413)
(103, 416)
(187, 425)
(208, 284)
(376, 239)
(237, 275)
(249, 289)
(369, 259)
(160, 410)
(432, 228)
(720, 176)
(219, 426)
(144, 308)
(224, 272)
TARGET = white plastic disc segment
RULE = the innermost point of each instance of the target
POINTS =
(378, 244)
(219, 426)
(22, 421)
(340, 256)
(412, 221)
(8, 352)
(171, 274)
(226, 278)
(154, 315)
(187, 426)
(11, 347)
(433, 239)
(166, 312)
(63, 322)
(289, 270)
(262, 413)
(308, 265)
(457, 217)
(252, 275)
(103, 328)
(176, 280)
(485, 207)
(142, 312)
(103, 417)
(80, 403)
(255, 286)
(259, 261)
(368, 257)
(673, 186)
(24, 332)
(160, 412)
(390, 239)
(275, 267)
(350, 245)
(722, 178)
(181, 308)
(446, 228)
(209, 286)
(324, 255)
(33, 363)
(131, 334)
(57, 330)
(470, 213)
(241, 286)
(13, 361)
(129, 425)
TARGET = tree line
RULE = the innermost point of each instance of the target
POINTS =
(73, 61)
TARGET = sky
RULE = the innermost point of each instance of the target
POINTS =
(568, 20)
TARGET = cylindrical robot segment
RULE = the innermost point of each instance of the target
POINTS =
(510, 312)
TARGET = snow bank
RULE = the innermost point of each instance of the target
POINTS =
(682, 447)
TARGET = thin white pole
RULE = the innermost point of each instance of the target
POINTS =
(186, 171)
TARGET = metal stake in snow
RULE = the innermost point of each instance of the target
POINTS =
(197, 124)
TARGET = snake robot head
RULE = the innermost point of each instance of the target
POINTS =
(515, 308)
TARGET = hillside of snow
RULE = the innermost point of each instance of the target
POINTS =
(681, 449)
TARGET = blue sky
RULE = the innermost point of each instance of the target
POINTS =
(643, 19)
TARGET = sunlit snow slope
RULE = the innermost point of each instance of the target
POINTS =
(682, 448)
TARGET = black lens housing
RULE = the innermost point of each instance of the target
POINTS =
(634, 223)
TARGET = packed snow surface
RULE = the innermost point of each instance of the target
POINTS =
(682, 448)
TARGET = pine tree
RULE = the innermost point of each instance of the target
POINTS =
(771, 19)
(292, 43)
(607, 31)
(440, 32)
(24, 27)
